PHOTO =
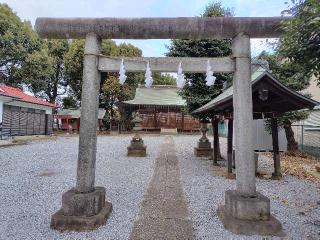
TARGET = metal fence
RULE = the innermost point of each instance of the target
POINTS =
(308, 138)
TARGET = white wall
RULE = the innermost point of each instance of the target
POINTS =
(263, 140)
(30, 105)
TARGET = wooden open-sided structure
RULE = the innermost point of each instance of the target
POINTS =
(270, 99)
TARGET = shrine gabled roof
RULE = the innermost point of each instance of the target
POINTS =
(157, 96)
(261, 76)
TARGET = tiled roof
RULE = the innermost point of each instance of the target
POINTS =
(157, 96)
(21, 96)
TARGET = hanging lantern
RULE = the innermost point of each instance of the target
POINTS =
(148, 76)
(122, 73)
(181, 81)
(210, 79)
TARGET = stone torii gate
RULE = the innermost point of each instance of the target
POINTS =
(84, 207)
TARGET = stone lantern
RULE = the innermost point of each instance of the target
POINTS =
(137, 147)
(203, 148)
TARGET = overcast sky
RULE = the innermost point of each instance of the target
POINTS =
(31, 9)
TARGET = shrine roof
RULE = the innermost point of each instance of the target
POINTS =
(158, 95)
(280, 98)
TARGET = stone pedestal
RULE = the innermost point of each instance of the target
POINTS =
(137, 147)
(248, 215)
(203, 148)
(82, 211)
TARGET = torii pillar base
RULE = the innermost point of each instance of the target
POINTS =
(248, 215)
(82, 211)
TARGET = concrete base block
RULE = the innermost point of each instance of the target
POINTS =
(82, 211)
(203, 152)
(132, 152)
(271, 227)
(249, 208)
(248, 215)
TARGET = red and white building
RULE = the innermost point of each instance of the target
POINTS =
(22, 114)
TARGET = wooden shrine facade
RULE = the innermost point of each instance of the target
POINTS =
(161, 107)
(155, 119)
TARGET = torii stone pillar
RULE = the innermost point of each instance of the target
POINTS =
(230, 175)
(245, 211)
(84, 207)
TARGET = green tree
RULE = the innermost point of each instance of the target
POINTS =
(111, 92)
(300, 43)
(196, 92)
(291, 75)
(74, 62)
(47, 70)
(163, 79)
(19, 44)
(69, 102)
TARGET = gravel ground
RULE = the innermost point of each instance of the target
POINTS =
(294, 202)
(34, 176)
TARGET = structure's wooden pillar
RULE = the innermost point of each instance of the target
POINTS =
(168, 118)
(275, 143)
(182, 122)
(46, 132)
(230, 147)
(155, 117)
(68, 129)
(215, 140)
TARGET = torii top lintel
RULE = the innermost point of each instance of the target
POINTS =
(160, 28)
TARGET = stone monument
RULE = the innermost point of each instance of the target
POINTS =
(137, 147)
(203, 148)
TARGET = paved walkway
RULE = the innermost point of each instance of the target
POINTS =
(164, 212)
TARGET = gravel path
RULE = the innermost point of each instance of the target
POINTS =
(34, 176)
(294, 202)
(164, 213)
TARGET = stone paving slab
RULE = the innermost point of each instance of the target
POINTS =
(164, 212)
